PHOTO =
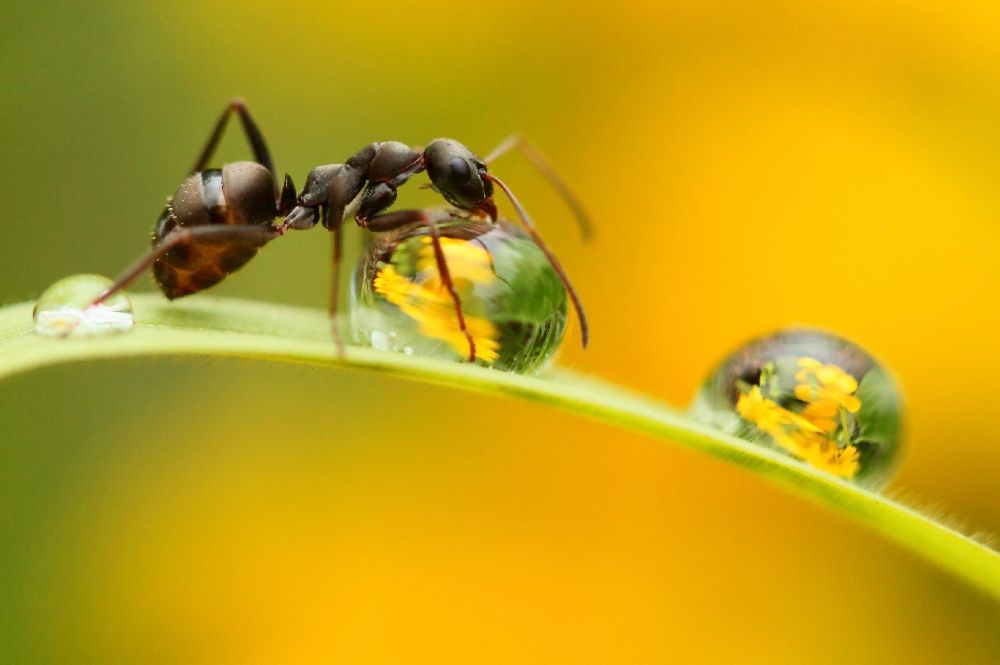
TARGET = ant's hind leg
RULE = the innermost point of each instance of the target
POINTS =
(250, 129)
(257, 235)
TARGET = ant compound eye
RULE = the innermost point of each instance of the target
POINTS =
(459, 169)
(812, 395)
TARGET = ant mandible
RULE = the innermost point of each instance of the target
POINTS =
(218, 219)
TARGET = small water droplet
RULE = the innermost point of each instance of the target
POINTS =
(513, 303)
(379, 340)
(812, 395)
(64, 310)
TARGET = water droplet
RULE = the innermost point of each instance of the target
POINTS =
(63, 309)
(513, 303)
(812, 395)
(379, 340)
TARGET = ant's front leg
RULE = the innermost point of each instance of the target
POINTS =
(253, 135)
(377, 197)
(394, 220)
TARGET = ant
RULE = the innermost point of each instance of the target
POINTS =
(218, 219)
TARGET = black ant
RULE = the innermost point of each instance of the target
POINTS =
(218, 219)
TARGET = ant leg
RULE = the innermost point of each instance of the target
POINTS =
(394, 220)
(391, 221)
(530, 226)
(336, 254)
(543, 166)
(254, 138)
(181, 234)
(286, 197)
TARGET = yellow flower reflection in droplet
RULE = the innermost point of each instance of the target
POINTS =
(809, 435)
(427, 301)
(827, 387)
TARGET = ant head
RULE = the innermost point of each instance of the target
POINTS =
(457, 174)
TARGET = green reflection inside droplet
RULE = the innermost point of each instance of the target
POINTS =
(512, 300)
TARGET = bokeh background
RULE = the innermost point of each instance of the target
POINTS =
(749, 165)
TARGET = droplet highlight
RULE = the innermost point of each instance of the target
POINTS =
(64, 309)
(513, 304)
(812, 395)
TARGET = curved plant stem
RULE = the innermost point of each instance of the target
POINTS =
(225, 327)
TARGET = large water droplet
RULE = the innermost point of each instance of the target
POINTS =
(63, 310)
(812, 395)
(512, 300)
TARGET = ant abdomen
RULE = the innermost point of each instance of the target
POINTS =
(249, 194)
(239, 194)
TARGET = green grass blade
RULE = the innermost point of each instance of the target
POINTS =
(225, 327)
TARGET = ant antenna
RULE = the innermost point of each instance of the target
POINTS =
(553, 261)
(536, 158)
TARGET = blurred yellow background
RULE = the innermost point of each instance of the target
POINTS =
(749, 165)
